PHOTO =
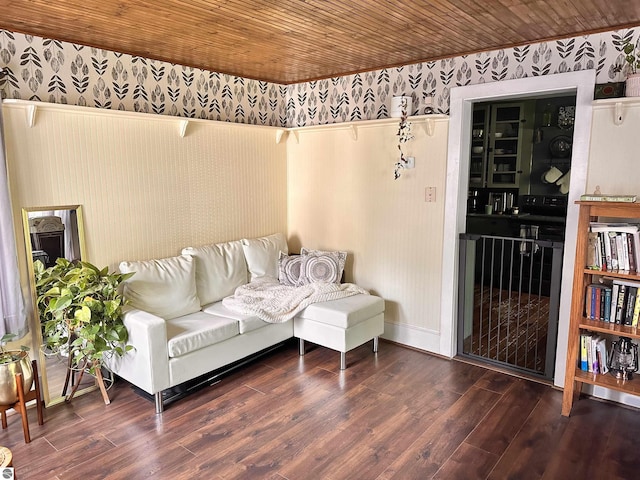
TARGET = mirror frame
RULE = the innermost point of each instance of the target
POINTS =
(48, 399)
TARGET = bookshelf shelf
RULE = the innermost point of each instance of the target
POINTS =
(583, 277)
(609, 381)
(610, 328)
(623, 276)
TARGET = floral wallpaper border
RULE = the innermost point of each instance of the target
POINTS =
(54, 71)
(59, 72)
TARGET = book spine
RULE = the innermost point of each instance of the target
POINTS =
(625, 251)
(595, 365)
(630, 306)
(636, 312)
(631, 253)
(620, 305)
(614, 302)
(607, 249)
(602, 349)
(584, 365)
(602, 252)
(596, 313)
(607, 304)
(614, 251)
(619, 252)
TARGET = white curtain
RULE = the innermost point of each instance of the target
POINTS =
(12, 310)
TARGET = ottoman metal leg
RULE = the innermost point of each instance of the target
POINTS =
(343, 360)
(375, 344)
(301, 348)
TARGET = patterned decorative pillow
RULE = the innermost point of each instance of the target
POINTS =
(290, 270)
(322, 266)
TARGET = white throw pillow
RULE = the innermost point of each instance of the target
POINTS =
(165, 287)
(262, 254)
(220, 269)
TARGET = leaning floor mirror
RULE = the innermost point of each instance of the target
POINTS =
(51, 233)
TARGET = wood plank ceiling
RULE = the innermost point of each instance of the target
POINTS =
(290, 41)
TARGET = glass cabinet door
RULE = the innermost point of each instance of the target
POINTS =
(479, 150)
(505, 144)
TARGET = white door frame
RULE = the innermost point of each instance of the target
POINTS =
(581, 83)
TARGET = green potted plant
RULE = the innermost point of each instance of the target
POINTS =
(632, 59)
(80, 310)
(12, 362)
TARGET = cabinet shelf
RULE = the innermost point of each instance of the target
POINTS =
(582, 277)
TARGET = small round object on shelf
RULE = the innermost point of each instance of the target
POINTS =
(560, 146)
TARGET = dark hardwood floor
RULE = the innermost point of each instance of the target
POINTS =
(398, 415)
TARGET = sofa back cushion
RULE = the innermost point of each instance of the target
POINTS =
(220, 269)
(262, 254)
(164, 287)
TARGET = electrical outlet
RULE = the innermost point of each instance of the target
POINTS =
(429, 194)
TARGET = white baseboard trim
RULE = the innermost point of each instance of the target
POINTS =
(415, 337)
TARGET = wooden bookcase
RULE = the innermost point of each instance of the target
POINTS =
(574, 378)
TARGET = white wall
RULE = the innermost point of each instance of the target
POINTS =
(614, 152)
(342, 195)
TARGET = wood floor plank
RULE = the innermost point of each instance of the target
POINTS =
(581, 448)
(467, 463)
(399, 414)
(535, 445)
(496, 431)
(621, 452)
(432, 449)
(496, 381)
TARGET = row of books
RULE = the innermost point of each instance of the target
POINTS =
(618, 302)
(613, 247)
(593, 353)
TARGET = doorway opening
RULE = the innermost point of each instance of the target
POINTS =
(511, 252)
(458, 163)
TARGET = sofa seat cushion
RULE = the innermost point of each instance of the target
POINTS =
(198, 330)
(344, 312)
(246, 323)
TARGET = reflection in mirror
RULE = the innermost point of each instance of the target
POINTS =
(51, 233)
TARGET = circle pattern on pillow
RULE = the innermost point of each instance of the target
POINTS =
(290, 270)
(321, 268)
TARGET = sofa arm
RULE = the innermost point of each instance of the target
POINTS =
(147, 365)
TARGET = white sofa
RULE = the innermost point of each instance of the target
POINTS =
(181, 330)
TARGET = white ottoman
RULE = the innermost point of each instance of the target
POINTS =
(341, 324)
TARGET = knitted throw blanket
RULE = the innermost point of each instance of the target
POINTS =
(272, 302)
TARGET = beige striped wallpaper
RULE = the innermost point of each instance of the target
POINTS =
(342, 195)
(146, 191)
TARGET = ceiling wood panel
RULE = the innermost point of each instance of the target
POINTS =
(289, 41)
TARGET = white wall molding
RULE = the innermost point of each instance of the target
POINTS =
(411, 336)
